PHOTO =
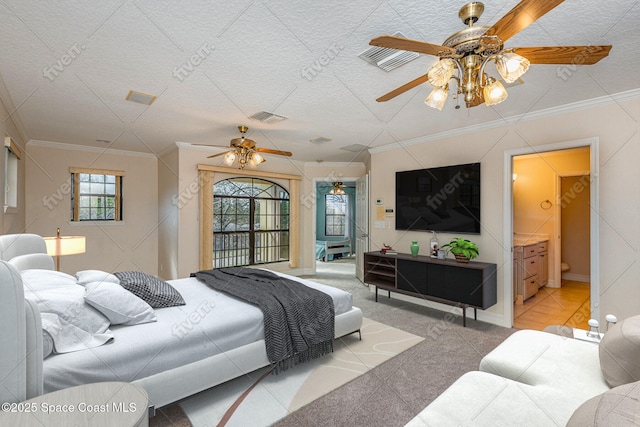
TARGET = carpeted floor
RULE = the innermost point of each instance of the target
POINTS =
(394, 392)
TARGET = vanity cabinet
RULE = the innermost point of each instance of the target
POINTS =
(531, 269)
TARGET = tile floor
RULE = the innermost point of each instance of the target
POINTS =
(568, 305)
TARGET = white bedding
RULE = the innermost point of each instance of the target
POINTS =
(210, 323)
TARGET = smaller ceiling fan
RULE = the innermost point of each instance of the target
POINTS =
(244, 150)
(338, 188)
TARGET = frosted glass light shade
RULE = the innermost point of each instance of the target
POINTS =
(441, 72)
(229, 158)
(494, 93)
(511, 66)
(255, 159)
(437, 97)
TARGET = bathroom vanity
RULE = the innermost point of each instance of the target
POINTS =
(530, 267)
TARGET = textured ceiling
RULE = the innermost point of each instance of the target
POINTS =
(68, 67)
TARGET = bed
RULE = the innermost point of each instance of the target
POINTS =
(327, 249)
(211, 339)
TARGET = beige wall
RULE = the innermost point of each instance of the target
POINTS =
(169, 203)
(186, 252)
(12, 221)
(129, 245)
(537, 182)
(616, 126)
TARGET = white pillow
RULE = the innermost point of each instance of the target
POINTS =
(67, 302)
(88, 276)
(39, 280)
(120, 306)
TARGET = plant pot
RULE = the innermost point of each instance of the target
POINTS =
(461, 258)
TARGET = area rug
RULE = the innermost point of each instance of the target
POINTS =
(261, 399)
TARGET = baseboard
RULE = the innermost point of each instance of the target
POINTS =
(576, 277)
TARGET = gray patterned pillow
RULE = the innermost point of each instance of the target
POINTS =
(154, 291)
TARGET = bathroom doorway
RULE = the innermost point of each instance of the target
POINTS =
(551, 220)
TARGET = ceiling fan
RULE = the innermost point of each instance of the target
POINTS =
(244, 150)
(338, 188)
(468, 51)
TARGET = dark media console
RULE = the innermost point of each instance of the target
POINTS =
(450, 282)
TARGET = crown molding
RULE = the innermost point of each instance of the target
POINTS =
(76, 147)
(315, 164)
(563, 109)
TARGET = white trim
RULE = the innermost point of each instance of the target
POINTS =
(334, 165)
(314, 224)
(76, 147)
(167, 150)
(507, 213)
(502, 122)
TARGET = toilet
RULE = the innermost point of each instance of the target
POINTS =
(564, 267)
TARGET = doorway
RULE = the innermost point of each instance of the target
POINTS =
(533, 214)
(336, 226)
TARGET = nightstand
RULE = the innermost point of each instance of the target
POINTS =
(108, 404)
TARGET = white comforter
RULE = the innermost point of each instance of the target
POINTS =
(210, 323)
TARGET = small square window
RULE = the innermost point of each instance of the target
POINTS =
(96, 195)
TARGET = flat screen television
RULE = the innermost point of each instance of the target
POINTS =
(443, 199)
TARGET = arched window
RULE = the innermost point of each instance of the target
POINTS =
(250, 222)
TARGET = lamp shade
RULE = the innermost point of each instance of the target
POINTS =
(494, 92)
(65, 245)
(511, 66)
(255, 159)
(441, 72)
(229, 158)
(437, 97)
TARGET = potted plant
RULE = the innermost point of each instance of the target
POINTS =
(463, 249)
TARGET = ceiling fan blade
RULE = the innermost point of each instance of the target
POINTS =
(402, 89)
(216, 155)
(520, 17)
(400, 43)
(578, 55)
(270, 151)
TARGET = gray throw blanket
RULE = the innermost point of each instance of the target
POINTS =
(298, 320)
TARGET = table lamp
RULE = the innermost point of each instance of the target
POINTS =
(64, 245)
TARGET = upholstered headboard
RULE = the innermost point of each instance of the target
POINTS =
(20, 340)
(25, 251)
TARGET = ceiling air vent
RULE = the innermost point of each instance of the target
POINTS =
(140, 97)
(266, 117)
(386, 58)
(320, 140)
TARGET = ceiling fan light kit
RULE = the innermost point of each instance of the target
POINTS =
(465, 54)
(245, 152)
(338, 188)
(437, 97)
